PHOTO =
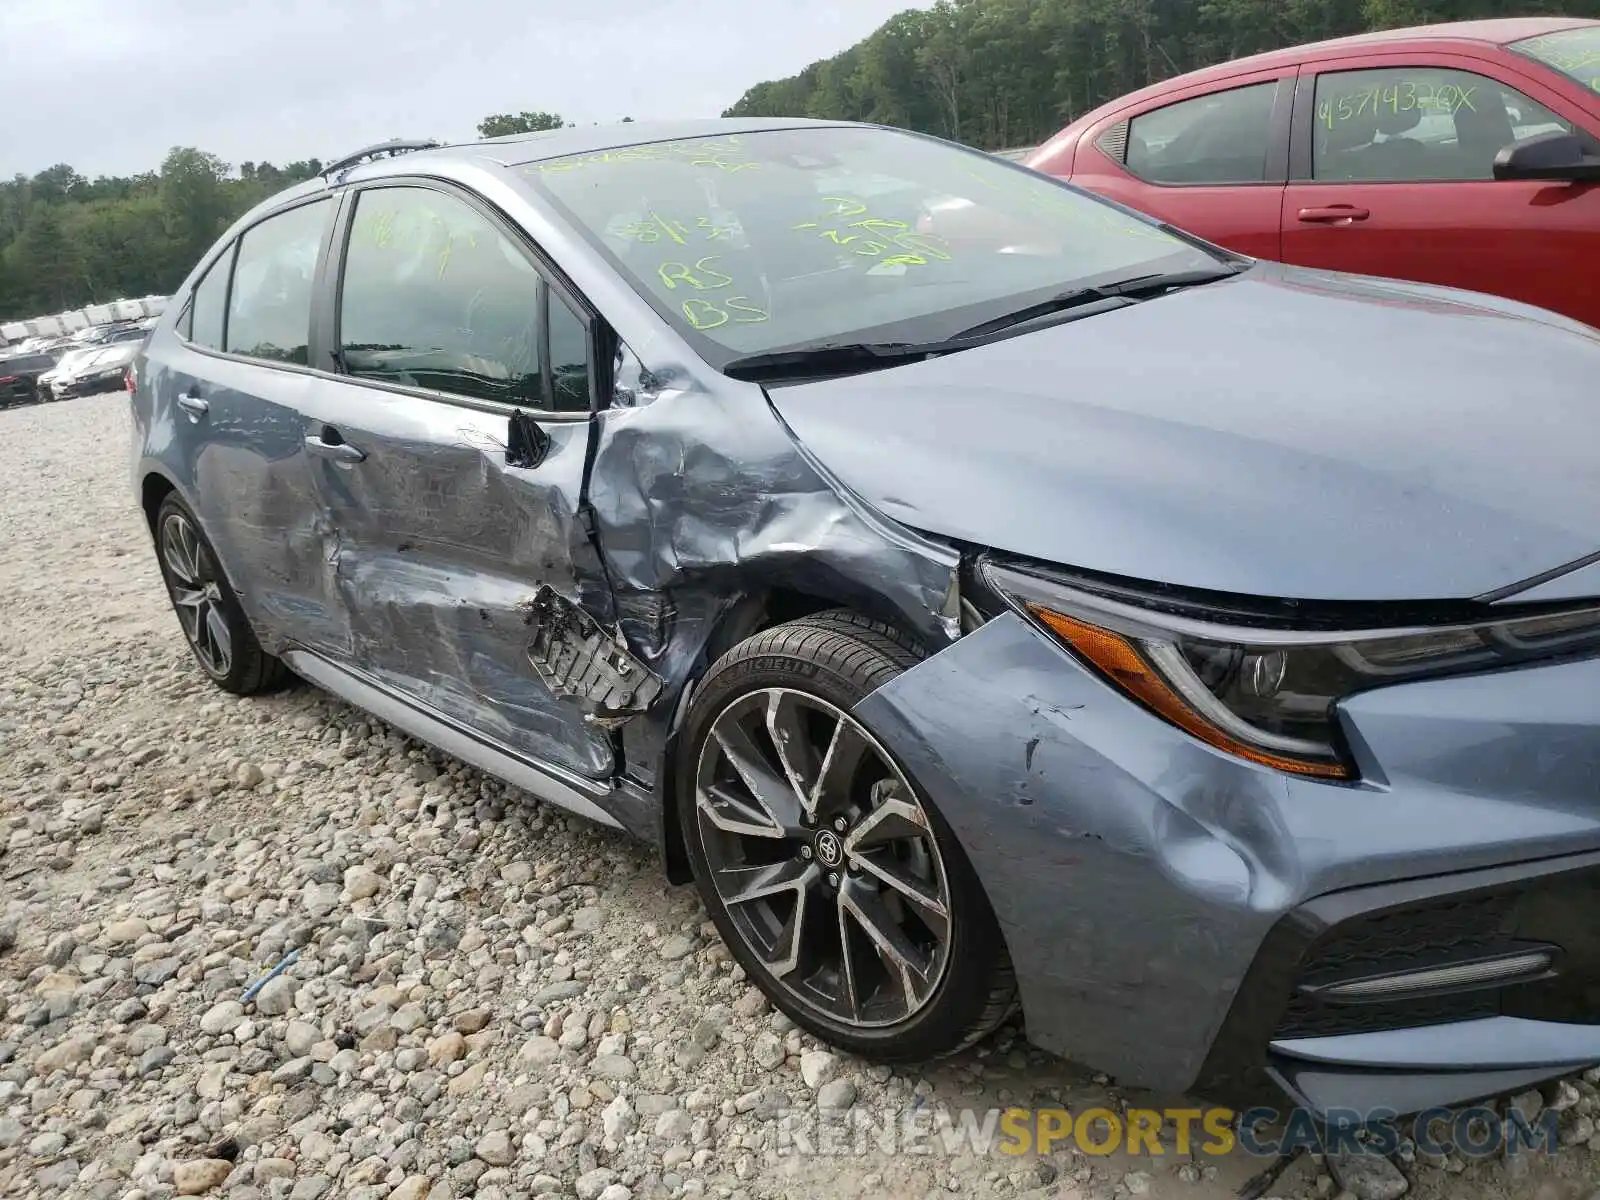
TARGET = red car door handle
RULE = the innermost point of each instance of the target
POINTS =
(1333, 214)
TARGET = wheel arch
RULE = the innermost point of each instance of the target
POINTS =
(154, 488)
(751, 615)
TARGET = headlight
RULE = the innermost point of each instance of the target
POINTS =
(1269, 694)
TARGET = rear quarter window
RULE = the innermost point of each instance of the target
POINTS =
(203, 323)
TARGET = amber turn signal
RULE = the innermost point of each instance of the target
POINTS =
(1115, 657)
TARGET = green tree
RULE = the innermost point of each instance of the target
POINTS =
(503, 124)
(999, 73)
(46, 265)
(194, 202)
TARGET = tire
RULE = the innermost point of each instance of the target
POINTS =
(866, 817)
(212, 620)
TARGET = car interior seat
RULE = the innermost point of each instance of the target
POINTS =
(1483, 129)
(1396, 156)
(1341, 149)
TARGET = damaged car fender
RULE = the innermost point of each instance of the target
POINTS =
(713, 520)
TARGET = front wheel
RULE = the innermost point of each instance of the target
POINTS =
(213, 621)
(836, 884)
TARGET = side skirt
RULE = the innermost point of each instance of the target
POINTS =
(548, 783)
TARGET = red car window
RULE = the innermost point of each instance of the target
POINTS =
(1418, 124)
(1217, 138)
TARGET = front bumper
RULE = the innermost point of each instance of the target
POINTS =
(1170, 909)
(90, 385)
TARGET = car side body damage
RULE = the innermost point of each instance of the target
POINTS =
(1347, 750)
(706, 507)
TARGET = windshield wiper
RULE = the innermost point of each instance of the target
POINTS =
(1140, 287)
(832, 357)
(842, 358)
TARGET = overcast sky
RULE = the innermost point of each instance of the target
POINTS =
(110, 85)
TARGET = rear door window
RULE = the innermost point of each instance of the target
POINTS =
(269, 307)
(1219, 138)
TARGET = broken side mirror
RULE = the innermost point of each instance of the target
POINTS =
(526, 442)
(1558, 156)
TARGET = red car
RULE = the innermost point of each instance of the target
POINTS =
(1465, 154)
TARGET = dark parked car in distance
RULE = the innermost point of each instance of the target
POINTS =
(987, 597)
(19, 377)
(1465, 154)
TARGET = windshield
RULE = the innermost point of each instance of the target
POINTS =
(1573, 52)
(799, 237)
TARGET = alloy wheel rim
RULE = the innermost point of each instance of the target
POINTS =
(823, 857)
(194, 582)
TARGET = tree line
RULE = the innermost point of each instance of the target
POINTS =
(1003, 73)
(992, 73)
(67, 241)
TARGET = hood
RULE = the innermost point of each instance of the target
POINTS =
(1287, 433)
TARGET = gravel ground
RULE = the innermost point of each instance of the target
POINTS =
(490, 998)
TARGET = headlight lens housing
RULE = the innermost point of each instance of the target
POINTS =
(1263, 693)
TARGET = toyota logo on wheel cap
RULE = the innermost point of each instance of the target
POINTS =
(830, 850)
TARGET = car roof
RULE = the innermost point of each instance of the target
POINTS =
(1498, 32)
(520, 149)
(558, 143)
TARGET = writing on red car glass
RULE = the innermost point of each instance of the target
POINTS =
(1424, 95)
(1573, 52)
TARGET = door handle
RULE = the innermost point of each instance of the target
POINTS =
(193, 405)
(1334, 214)
(318, 446)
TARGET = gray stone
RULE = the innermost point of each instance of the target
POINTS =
(299, 1037)
(1529, 1103)
(836, 1095)
(818, 1067)
(47, 1145)
(222, 1017)
(614, 1067)
(57, 1177)
(293, 1071)
(276, 998)
(155, 1059)
(539, 1052)
(157, 972)
(495, 1148)
(677, 946)
(1367, 1176)
(557, 991)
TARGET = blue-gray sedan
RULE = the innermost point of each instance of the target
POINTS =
(988, 596)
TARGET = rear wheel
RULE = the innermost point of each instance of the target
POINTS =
(207, 609)
(834, 881)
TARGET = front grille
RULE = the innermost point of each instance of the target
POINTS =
(1307, 1017)
(1556, 911)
